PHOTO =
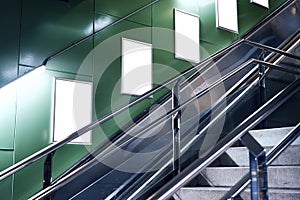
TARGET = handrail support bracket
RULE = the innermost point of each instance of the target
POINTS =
(176, 118)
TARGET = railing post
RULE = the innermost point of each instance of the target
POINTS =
(176, 118)
(263, 176)
(259, 177)
(262, 84)
(258, 167)
(48, 170)
(254, 177)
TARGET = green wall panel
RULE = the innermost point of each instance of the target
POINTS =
(33, 124)
(28, 181)
(24, 69)
(120, 8)
(9, 40)
(107, 70)
(143, 17)
(34, 130)
(250, 14)
(6, 158)
(107, 65)
(66, 156)
(70, 153)
(7, 116)
(212, 39)
(6, 188)
(72, 60)
(49, 26)
(102, 20)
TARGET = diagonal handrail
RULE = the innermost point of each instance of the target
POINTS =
(197, 166)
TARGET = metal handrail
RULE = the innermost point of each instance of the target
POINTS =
(197, 166)
(53, 147)
(98, 31)
(270, 157)
(60, 183)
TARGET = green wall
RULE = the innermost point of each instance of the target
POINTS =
(38, 29)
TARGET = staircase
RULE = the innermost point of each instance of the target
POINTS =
(283, 174)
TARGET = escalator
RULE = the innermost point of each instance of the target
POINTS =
(201, 112)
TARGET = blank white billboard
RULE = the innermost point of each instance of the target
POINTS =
(136, 67)
(227, 15)
(72, 109)
(187, 36)
(264, 3)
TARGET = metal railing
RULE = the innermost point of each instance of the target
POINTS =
(197, 166)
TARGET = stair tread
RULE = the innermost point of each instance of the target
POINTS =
(278, 176)
(272, 136)
(227, 188)
(215, 193)
(240, 155)
(243, 167)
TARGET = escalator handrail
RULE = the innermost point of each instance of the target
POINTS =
(53, 147)
(198, 165)
(161, 119)
(59, 184)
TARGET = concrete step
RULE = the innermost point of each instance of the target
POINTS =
(215, 193)
(278, 176)
(271, 137)
(290, 157)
